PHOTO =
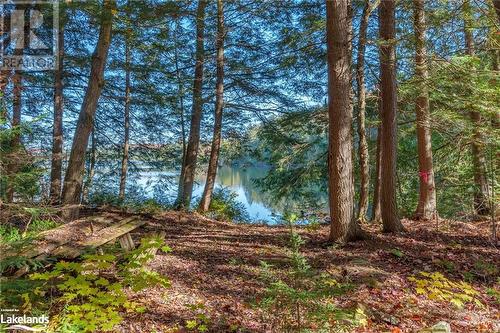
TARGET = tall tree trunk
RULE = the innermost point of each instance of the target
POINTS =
(390, 219)
(126, 125)
(426, 208)
(480, 202)
(219, 103)
(344, 227)
(376, 211)
(92, 159)
(4, 80)
(189, 165)
(74, 175)
(57, 128)
(180, 88)
(363, 144)
(15, 142)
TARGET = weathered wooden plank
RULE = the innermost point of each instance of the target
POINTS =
(126, 242)
(104, 236)
(70, 232)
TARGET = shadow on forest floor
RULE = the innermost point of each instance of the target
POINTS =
(218, 264)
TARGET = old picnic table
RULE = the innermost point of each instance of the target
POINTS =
(74, 238)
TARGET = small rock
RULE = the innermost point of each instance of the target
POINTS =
(441, 327)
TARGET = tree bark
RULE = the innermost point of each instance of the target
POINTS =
(376, 211)
(180, 89)
(57, 128)
(480, 201)
(126, 124)
(390, 219)
(74, 174)
(363, 144)
(219, 103)
(343, 227)
(15, 143)
(4, 79)
(189, 166)
(496, 4)
(426, 208)
(92, 159)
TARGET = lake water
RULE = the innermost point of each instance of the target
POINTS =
(260, 205)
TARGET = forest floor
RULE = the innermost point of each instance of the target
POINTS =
(215, 270)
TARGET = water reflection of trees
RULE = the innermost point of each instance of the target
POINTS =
(244, 178)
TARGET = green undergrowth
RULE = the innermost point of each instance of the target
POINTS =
(14, 239)
(225, 206)
(10, 234)
(302, 299)
(88, 295)
(131, 205)
(435, 286)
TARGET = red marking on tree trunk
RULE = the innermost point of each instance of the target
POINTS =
(424, 175)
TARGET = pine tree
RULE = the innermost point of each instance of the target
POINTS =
(426, 208)
(73, 179)
(213, 162)
(344, 227)
(190, 159)
(390, 219)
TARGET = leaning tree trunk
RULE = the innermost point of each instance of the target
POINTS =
(426, 208)
(363, 144)
(480, 202)
(15, 143)
(390, 219)
(340, 170)
(126, 125)
(219, 102)
(57, 130)
(74, 175)
(189, 166)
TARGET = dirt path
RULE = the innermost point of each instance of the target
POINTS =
(214, 269)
